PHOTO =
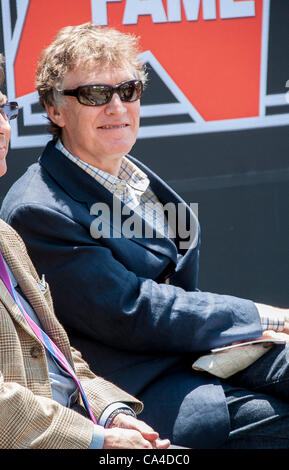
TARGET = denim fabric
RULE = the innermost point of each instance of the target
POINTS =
(189, 415)
(258, 403)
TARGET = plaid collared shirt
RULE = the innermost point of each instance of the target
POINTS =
(131, 186)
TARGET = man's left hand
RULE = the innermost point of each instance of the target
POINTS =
(124, 421)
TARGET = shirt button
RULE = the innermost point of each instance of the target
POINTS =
(35, 351)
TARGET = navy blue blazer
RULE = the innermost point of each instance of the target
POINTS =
(110, 293)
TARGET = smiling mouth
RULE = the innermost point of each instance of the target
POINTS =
(117, 126)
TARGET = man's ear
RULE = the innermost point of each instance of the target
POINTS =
(55, 115)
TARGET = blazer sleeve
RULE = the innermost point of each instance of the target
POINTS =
(114, 306)
(100, 392)
(29, 421)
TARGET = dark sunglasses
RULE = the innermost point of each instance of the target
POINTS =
(9, 110)
(100, 94)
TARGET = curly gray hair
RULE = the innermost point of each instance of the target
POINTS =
(88, 46)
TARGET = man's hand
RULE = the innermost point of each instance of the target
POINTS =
(270, 334)
(127, 432)
(117, 438)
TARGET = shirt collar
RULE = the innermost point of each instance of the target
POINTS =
(129, 173)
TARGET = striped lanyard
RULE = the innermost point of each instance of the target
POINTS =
(45, 340)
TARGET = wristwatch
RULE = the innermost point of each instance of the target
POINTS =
(126, 411)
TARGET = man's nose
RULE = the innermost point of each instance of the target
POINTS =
(115, 105)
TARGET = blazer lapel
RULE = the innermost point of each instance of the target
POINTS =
(83, 188)
(13, 309)
(21, 267)
(185, 217)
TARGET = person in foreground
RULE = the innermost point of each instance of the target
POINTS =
(41, 404)
(133, 301)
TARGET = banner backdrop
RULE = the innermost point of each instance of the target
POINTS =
(214, 118)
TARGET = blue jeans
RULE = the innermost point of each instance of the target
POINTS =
(258, 403)
(257, 400)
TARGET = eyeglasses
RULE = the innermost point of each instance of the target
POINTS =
(100, 94)
(9, 110)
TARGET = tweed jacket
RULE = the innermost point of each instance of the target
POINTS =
(29, 417)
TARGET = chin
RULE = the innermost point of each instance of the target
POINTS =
(123, 146)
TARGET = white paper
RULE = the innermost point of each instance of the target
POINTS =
(253, 341)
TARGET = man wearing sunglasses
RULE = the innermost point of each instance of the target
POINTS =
(131, 304)
(44, 402)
